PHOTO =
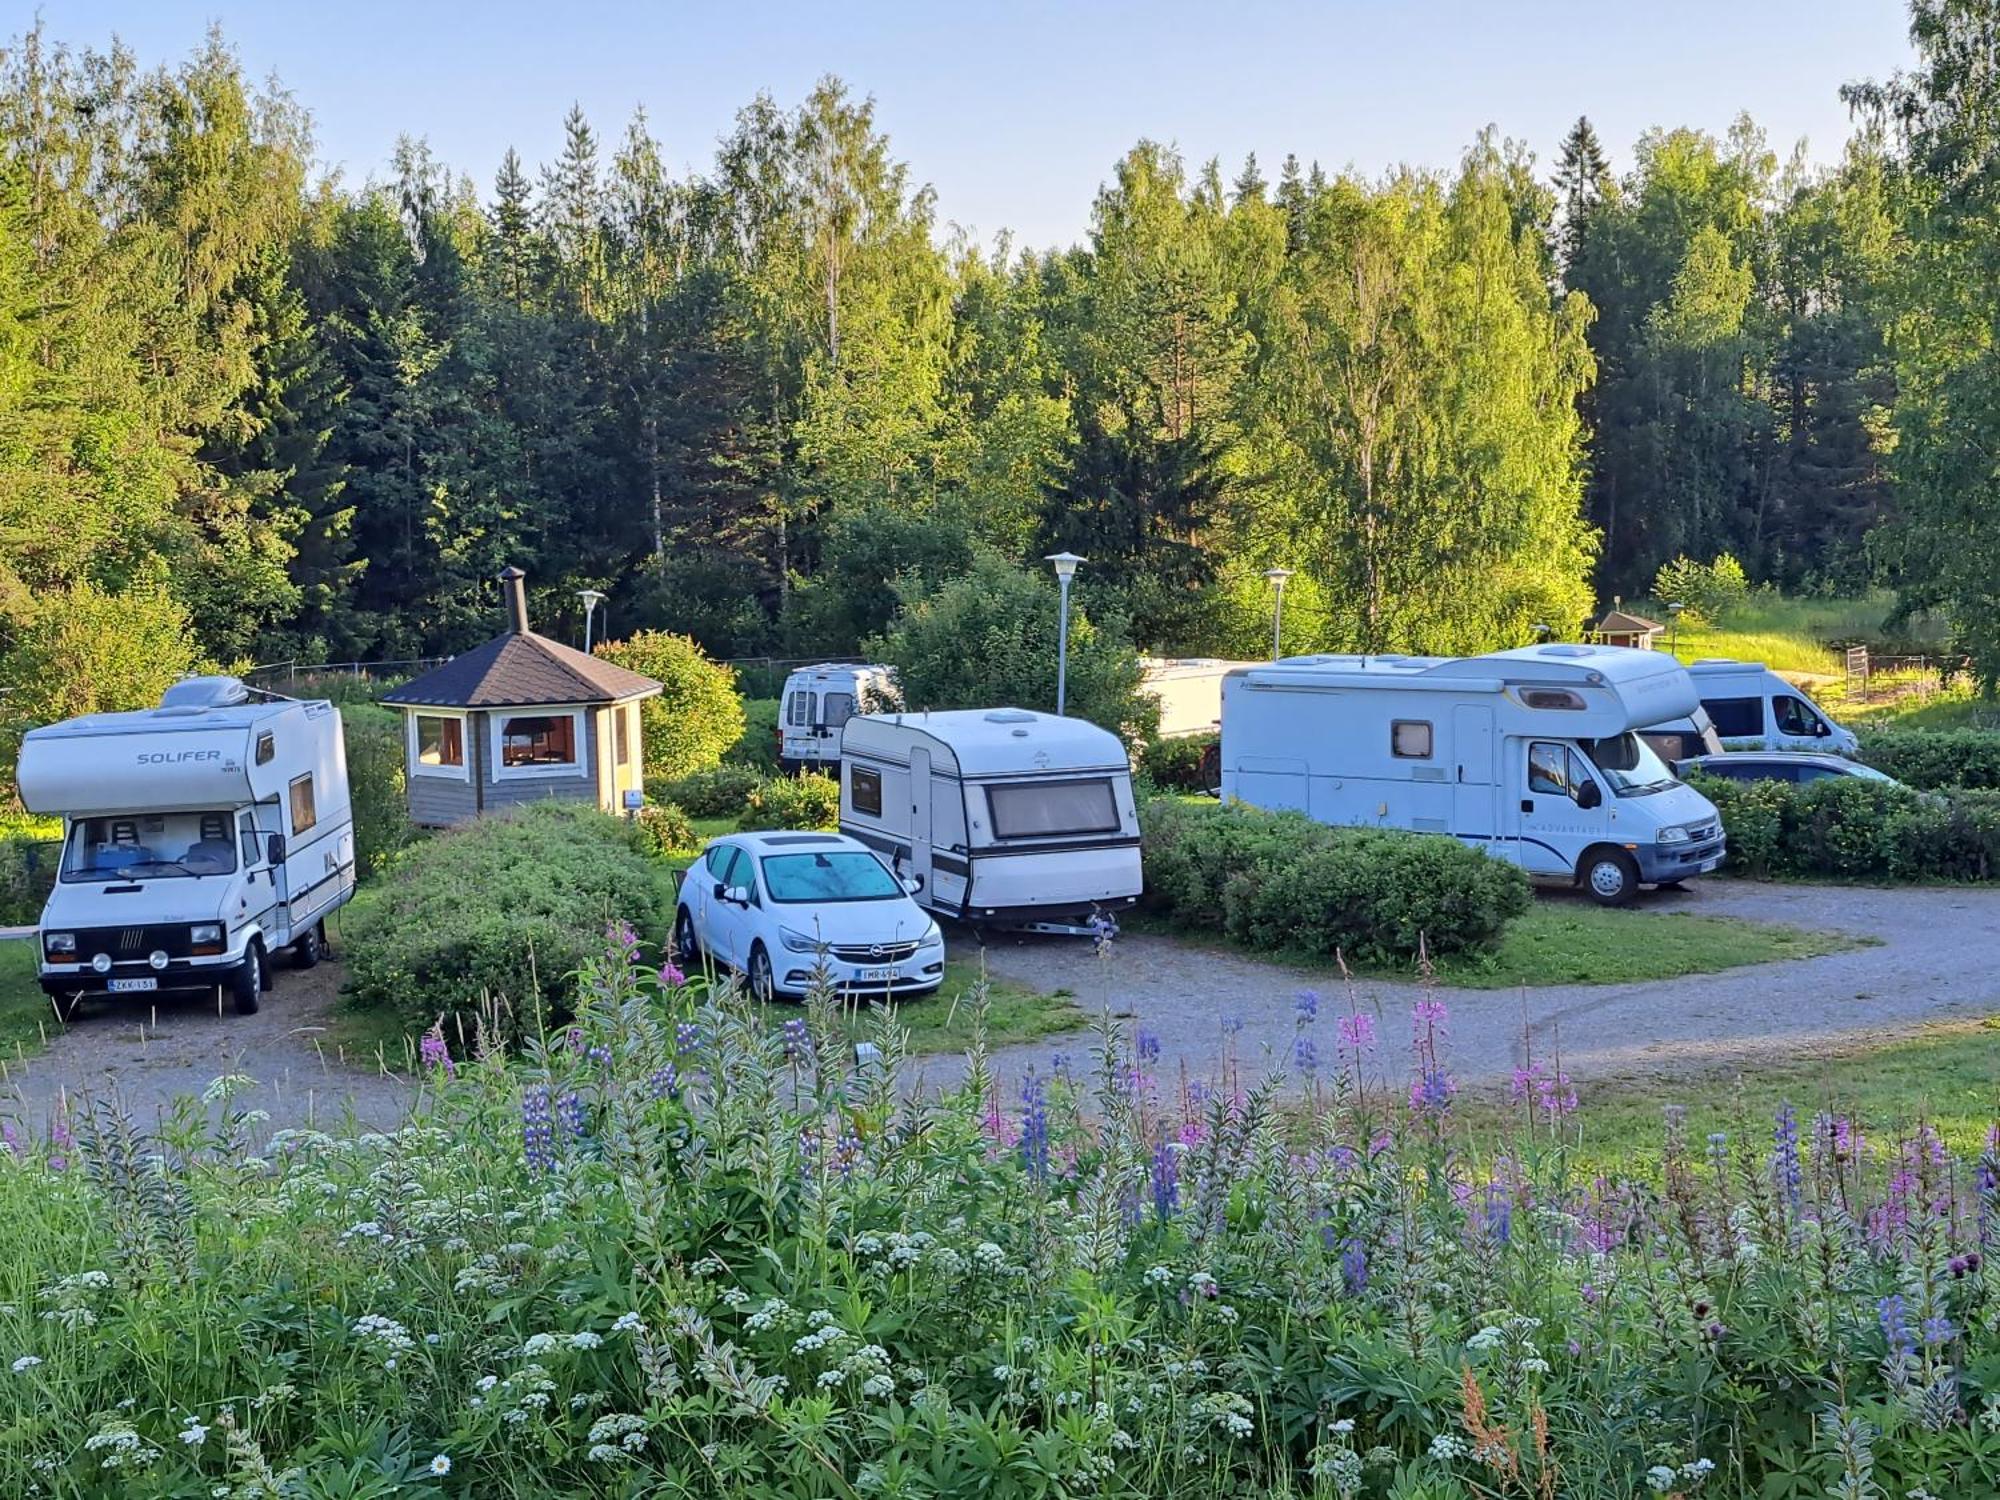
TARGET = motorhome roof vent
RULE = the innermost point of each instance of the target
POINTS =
(1565, 651)
(205, 692)
(1009, 716)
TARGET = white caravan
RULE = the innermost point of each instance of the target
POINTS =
(199, 839)
(1753, 708)
(996, 815)
(818, 701)
(1529, 755)
(1188, 690)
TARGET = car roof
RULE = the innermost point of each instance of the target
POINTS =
(1780, 757)
(783, 839)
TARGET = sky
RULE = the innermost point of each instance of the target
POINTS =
(1016, 112)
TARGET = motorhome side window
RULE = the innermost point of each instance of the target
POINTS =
(864, 789)
(1410, 739)
(440, 740)
(1736, 718)
(1034, 809)
(267, 746)
(304, 813)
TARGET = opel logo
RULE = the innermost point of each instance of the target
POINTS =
(875, 950)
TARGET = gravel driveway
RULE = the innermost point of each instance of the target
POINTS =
(147, 1056)
(1935, 961)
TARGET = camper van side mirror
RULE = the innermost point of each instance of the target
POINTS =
(274, 849)
(1589, 795)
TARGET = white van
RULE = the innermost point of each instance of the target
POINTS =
(998, 815)
(200, 838)
(818, 701)
(1529, 755)
(1753, 708)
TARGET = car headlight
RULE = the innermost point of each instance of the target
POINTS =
(799, 942)
(931, 939)
(1673, 835)
(59, 944)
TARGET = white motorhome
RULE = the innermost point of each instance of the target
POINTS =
(1529, 755)
(818, 701)
(1188, 690)
(998, 815)
(1753, 708)
(200, 838)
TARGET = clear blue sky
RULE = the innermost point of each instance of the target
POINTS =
(1015, 112)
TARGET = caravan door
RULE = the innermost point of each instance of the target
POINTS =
(1475, 774)
(922, 794)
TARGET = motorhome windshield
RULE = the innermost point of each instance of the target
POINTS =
(1629, 765)
(841, 876)
(150, 846)
(1044, 809)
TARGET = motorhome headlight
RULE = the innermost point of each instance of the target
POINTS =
(205, 937)
(932, 938)
(1674, 835)
(59, 944)
(798, 942)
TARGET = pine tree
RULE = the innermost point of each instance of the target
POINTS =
(1583, 178)
(1250, 184)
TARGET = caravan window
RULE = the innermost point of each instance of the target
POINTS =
(304, 813)
(1736, 718)
(150, 846)
(864, 790)
(1410, 739)
(1035, 809)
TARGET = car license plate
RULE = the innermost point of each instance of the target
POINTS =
(1710, 864)
(131, 986)
(888, 973)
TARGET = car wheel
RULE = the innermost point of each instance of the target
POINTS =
(763, 983)
(1611, 876)
(249, 982)
(308, 950)
(687, 947)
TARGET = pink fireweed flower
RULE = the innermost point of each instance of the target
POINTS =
(1357, 1033)
(671, 976)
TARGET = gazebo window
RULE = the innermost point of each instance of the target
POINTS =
(437, 744)
(538, 742)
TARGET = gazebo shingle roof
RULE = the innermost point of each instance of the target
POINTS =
(1619, 622)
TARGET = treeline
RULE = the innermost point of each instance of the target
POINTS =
(248, 415)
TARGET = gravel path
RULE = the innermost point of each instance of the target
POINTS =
(1935, 961)
(147, 1056)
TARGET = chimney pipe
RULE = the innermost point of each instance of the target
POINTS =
(513, 584)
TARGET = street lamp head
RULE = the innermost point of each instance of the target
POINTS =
(1065, 563)
(591, 597)
(1540, 630)
(1277, 576)
(1674, 609)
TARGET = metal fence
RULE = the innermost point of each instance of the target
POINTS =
(288, 674)
(1873, 678)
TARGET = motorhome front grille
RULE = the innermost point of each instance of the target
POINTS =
(873, 953)
(1703, 835)
(132, 944)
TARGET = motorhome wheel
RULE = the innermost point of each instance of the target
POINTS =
(1612, 876)
(763, 984)
(248, 982)
(308, 950)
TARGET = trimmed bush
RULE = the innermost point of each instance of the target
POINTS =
(376, 776)
(808, 800)
(722, 792)
(1280, 880)
(1176, 765)
(1847, 828)
(666, 830)
(1930, 758)
(697, 714)
(757, 747)
(504, 907)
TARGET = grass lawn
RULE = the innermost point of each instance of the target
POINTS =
(25, 1017)
(1947, 1076)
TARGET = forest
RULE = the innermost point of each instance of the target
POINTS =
(248, 415)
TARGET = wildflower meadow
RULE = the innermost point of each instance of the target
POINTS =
(674, 1250)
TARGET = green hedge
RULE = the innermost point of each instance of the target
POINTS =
(722, 792)
(376, 775)
(1175, 765)
(808, 800)
(504, 907)
(757, 746)
(1848, 828)
(1931, 758)
(30, 853)
(1280, 880)
(666, 830)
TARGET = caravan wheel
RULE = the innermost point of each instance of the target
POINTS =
(311, 948)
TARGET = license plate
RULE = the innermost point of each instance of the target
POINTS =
(878, 974)
(1710, 864)
(133, 986)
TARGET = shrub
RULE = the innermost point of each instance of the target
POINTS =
(504, 907)
(1931, 758)
(1709, 591)
(1280, 880)
(718, 793)
(757, 746)
(30, 854)
(808, 800)
(376, 777)
(697, 715)
(666, 830)
(1848, 828)
(1176, 764)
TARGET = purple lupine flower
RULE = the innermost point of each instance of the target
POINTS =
(1431, 1091)
(1785, 1159)
(10, 1138)
(599, 1054)
(797, 1040)
(1357, 1033)
(570, 1107)
(1938, 1331)
(1059, 1065)
(671, 975)
(1497, 1218)
(1353, 1266)
(538, 1136)
(1035, 1127)
(1147, 1045)
(1232, 1025)
(1306, 1007)
(846, 1154)
(1305, 1056)
(1895, 1331)
(687, 1037)
(1103, 932)
(1166, 1182)
(665, 1083)
(1718, 1153)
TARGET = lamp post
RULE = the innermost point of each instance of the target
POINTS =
(1065, 566)
(1541, 632)
(1277, 577)
(1674, 634)
(591, 599)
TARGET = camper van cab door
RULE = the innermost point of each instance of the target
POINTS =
(1561, 804)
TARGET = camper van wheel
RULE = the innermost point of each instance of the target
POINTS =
(687, 947)
(1612, 876)
(248, 982)
(763, 984)
(311, 948)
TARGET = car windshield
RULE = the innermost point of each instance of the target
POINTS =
(1629, 765)
(842, 875)
(150, 846)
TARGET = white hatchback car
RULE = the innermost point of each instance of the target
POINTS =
(775, 906)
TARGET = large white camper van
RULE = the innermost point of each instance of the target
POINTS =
(998, 815)
(199, 839)
(816, 704)
(1529, 755)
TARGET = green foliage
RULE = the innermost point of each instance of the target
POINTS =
(500, 911)
(757, 747)
(376, 780)
(1177, 764)
(666, 830)
(695, 717)
(990, 638)
(30, 855)
(806, 801)
(719, 793)
(1280, 881)
(1930, 759)
(1846, 828)
(1711, 592)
